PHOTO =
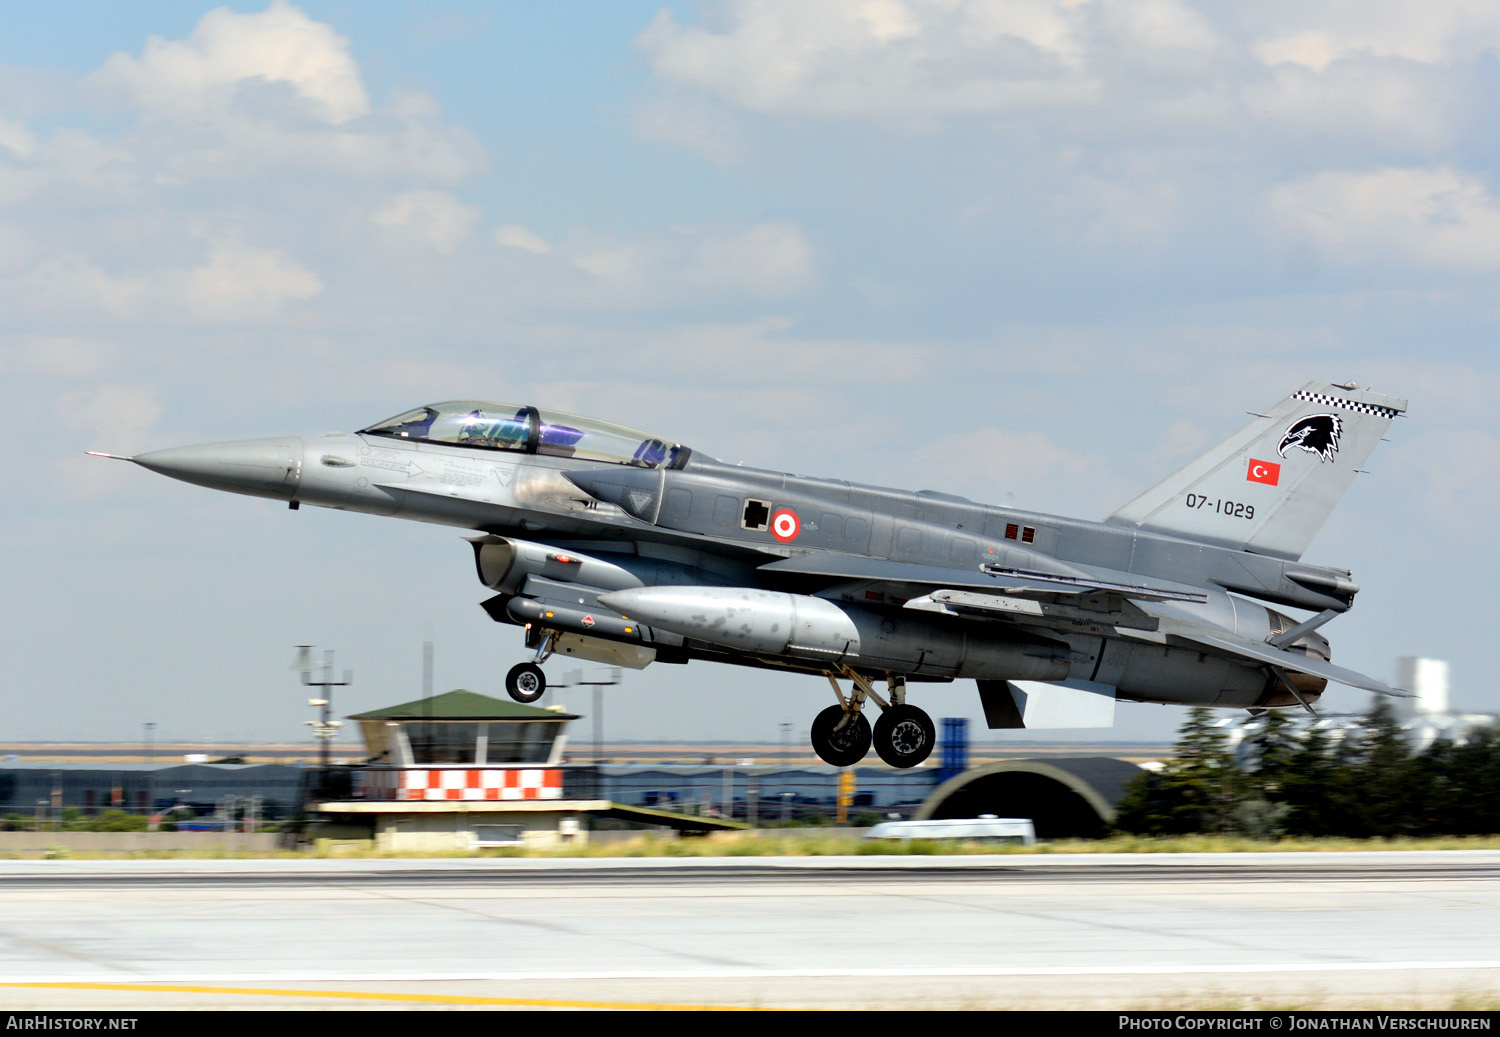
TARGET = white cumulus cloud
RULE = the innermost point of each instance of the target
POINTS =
(246, 92)
(240, 279)
(235, 282)
(767, 260)
(1150, 72)
(1432, 217)
(855, 57)
(227, 50)
(763, 351)
(16, 139)
(433, 218)
(512, 236)
(1318, 33)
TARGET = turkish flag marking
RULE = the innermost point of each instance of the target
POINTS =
(1264, 471)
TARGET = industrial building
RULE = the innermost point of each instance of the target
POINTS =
(462, 770)
(42, 790)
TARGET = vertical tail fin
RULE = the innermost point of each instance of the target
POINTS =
(1269, 487)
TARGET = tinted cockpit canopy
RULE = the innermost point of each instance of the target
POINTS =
(502, 426)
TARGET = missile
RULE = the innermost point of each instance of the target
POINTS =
(806, 628)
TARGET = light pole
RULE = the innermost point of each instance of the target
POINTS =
(610, 676)
(324, 728)
(179, 806)
(150, 729)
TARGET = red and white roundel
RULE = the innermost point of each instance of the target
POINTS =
(785, 525)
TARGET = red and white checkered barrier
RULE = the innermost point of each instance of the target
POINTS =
(460, 783)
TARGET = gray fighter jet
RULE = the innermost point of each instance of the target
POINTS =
(613, 545)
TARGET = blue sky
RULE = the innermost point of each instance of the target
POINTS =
(1048, 250)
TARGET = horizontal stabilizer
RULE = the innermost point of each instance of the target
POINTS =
(1043, 705)
(1296, 661)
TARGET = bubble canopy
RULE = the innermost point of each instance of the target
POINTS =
(527, 430)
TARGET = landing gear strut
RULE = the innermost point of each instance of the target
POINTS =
(904, 735)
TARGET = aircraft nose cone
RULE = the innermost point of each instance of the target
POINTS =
(258, 467)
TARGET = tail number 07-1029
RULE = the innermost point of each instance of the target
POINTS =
(1223, 507)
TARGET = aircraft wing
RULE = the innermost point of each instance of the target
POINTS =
(1272, 656)
(1015, 583)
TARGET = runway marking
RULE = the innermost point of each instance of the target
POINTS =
(359, 995)
(196, 983)
(1003, 970)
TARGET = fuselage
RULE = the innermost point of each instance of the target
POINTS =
(691, 521)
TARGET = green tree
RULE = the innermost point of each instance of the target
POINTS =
(1271, 753)
(1297, 769)
(1460, 790)
(1479, 763)
(1299, 781)
(1144, 808)
(1384, 788)
(1202, 776)
(113, 820)
(1196, 791)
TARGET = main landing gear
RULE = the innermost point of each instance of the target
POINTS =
(903, 737)
(526, 682)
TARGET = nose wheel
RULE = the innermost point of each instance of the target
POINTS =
(526, 682)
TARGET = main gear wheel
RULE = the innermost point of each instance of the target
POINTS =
(904, 736)
(840, 737)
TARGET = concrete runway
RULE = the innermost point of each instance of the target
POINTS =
(1334, 930)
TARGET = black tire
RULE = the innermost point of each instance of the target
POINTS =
(904, 736)
(841, 748)
(526, 682)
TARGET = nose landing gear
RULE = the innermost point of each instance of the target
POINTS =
(526, 682)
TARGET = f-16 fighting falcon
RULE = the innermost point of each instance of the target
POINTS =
(612, 545)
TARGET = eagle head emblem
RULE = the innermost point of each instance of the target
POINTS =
(1317, 434)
